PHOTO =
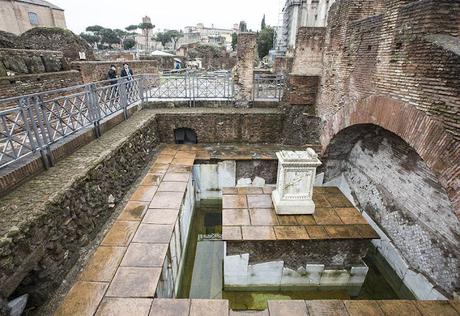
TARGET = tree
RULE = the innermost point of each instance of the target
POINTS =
(263, 25)
(265, 41)
(94, 29)
(131, 28)
(122, 35)
(234, 40)
(90, 38)
(146, 27)
(129, 43)
(109, 37)
(174, 36)
(163, 38)
(102, 35)
(243, 26)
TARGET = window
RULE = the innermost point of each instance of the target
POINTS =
(33, 18)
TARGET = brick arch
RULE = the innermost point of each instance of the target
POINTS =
(428, 137)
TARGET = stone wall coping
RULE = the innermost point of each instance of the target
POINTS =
(43, 74)
(94, 62)
(31, 50)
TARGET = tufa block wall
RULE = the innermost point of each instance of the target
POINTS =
(26, 61)
(308, 57)
(92, 71)
(27, 84)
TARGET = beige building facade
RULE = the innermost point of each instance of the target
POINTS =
(298, 13)
(18, 16)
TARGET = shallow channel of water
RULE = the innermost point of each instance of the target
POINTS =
(205, 279)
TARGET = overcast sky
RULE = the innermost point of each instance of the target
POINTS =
(172, 14)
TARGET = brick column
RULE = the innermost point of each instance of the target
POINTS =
(308, 57)
(244, 77)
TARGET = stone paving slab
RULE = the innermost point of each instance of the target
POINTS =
(326, 308)
(134, 282)
(199, 307)
(292, 308)
(170, 307)
(120, 234)
(82, 299)
(361, 308)
(145, 255)
(443, 308)
(334, 218)
(103, 264)
(400, 308)
(124, 306)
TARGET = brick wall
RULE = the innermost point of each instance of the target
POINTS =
(407, 52)
(28, 84)
(283, 65)
(308, 57)
(246, 56)
(399, 70)
(395, 64)
(301, 89)
(29, 61)
(92, 71)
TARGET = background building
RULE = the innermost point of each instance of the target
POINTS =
(18, 16)
(297, 13)
(209, 35)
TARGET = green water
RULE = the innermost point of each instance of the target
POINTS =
(207, 219)
(381, 281)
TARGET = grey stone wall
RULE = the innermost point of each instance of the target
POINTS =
(29, 61)
(395, 186)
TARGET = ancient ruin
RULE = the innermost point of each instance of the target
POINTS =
(294, 183)
(327, 184)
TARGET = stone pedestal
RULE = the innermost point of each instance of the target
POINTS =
(294, 187)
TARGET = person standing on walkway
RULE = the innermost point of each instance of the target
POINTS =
(127, 72)
(112, 74)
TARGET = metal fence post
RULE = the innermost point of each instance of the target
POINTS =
(254, 87)
(141, 84)
(93, 107)
(42, 134)
(24, 106)
(124, 97)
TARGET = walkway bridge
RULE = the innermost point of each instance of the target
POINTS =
(30, 124)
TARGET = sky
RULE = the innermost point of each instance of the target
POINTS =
(172, 14)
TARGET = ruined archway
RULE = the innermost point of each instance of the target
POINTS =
(185, 136)
(425, 134)
(393, 184)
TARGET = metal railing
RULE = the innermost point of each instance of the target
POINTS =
(191, 85)
(37, 121)
(268, 87)
(32, 123)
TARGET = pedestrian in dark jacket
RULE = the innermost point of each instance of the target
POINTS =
(112, 74)
(127, 72)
